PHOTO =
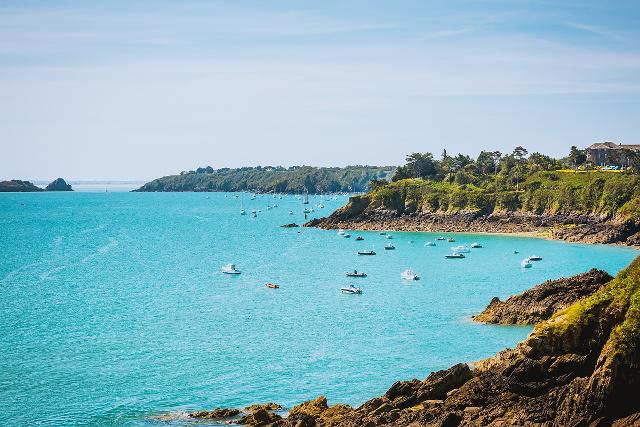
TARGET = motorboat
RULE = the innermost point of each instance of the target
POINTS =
(341, 232)
(351, 290)
(516, 252)
(307, 211)
(346, 235)
(535, 258)
(230, 269)
(272, 286)
(454, 256)
(476, 245)
(382, 233)
(389, 247)
(460, 249)
(243, 212)
(451, 239)
(409, 274)
(371, 252)
(359, 238)
(355, 273)
(440, 238)
(430, 244)
(320, 205)
(526, 263)
(290, 212)
(389, 236)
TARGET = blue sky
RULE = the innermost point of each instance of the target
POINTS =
(139, 89)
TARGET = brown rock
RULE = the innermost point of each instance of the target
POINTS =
(216, 413)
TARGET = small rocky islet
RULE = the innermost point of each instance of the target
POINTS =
(579, 367)
(18, 186)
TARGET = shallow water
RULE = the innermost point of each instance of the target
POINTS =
(114, 308)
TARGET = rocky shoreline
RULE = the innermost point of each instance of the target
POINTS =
(578, 368)
(358, 215)
(542, 301)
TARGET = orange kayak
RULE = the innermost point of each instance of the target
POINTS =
(272, 286)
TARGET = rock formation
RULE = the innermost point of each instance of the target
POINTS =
(17, 186)
(541, 302)
(59, 185)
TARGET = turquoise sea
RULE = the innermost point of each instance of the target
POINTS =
(114, 310)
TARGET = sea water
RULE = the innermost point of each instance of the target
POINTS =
(114, 309)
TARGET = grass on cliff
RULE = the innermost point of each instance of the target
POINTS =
(547, 192)
(620, 297)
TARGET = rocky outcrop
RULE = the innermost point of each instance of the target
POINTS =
(358, 214)
(259, 418)
(17, 186)
(541, 302)
(217, 413)
(271, 406)
(291, 225)
(59, 185)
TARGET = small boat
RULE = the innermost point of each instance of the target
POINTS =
(306, 198)
(321, 206)
(430, 244)
(351, 290)
(526, 263)
(389, 247)
(460, 249)
(306, 211)
(389, 236)
(409, 274)
(371, 252)
(516, 252)
(476, 245)
(230, 269)
(340, 232)
(346, 235)
(355, 273)
(382, 233)
(454, 256)
(272, 286)
(243, 212)
(440, 238)
(290, 212)
(535, 258)
(359, 238)
(451, 239)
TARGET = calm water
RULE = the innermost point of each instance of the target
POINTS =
(113, 307)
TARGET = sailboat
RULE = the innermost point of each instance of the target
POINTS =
(306, 198)
(242, 211)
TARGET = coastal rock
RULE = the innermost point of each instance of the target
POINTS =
(291, 225)
(271, 406)
(259, 418)
(59, 185)
(17, 186)
(313, 408)
(541, 302)
(215, 414)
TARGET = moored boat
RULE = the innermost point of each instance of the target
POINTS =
(476, 245)
(351, 290)
(454, 256)
(359, 238)
(526, 263)
(409, 274)
(535, 258)
(430, 244)
(230, 269)
(451, 239)
(272, 286)
(355, 273)
(371, 252)
(389, 247)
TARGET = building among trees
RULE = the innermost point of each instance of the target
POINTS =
(610, 153)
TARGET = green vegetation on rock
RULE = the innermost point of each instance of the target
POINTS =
(296, 179)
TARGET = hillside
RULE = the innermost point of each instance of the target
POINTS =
(17, 186)
(349, 179)
(592, 207)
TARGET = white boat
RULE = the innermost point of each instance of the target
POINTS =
(341, 232)
(290, 212)
(409, 274)
(476, 245)
(356, 273)
(454, 256)
(460, 249)
(389, 236)
(346, 235)
(526, 263)
(440, 238)
(243, 212)
(389, 247)
(371, 252)
(351, 290)
(430, 244)
(230, 269)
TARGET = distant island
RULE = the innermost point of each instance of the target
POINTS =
(569, 198)
(17, 186)
(274, 179)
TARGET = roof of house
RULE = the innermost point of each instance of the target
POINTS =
(607, 145)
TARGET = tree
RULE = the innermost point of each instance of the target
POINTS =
(447, 163)
(496, 155)
(519, 154)
(485, 163)
(577, 157)
(420, 165)
(400, 173)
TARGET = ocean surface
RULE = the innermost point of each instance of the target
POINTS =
(114, 310)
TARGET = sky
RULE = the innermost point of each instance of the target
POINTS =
(139, 89)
